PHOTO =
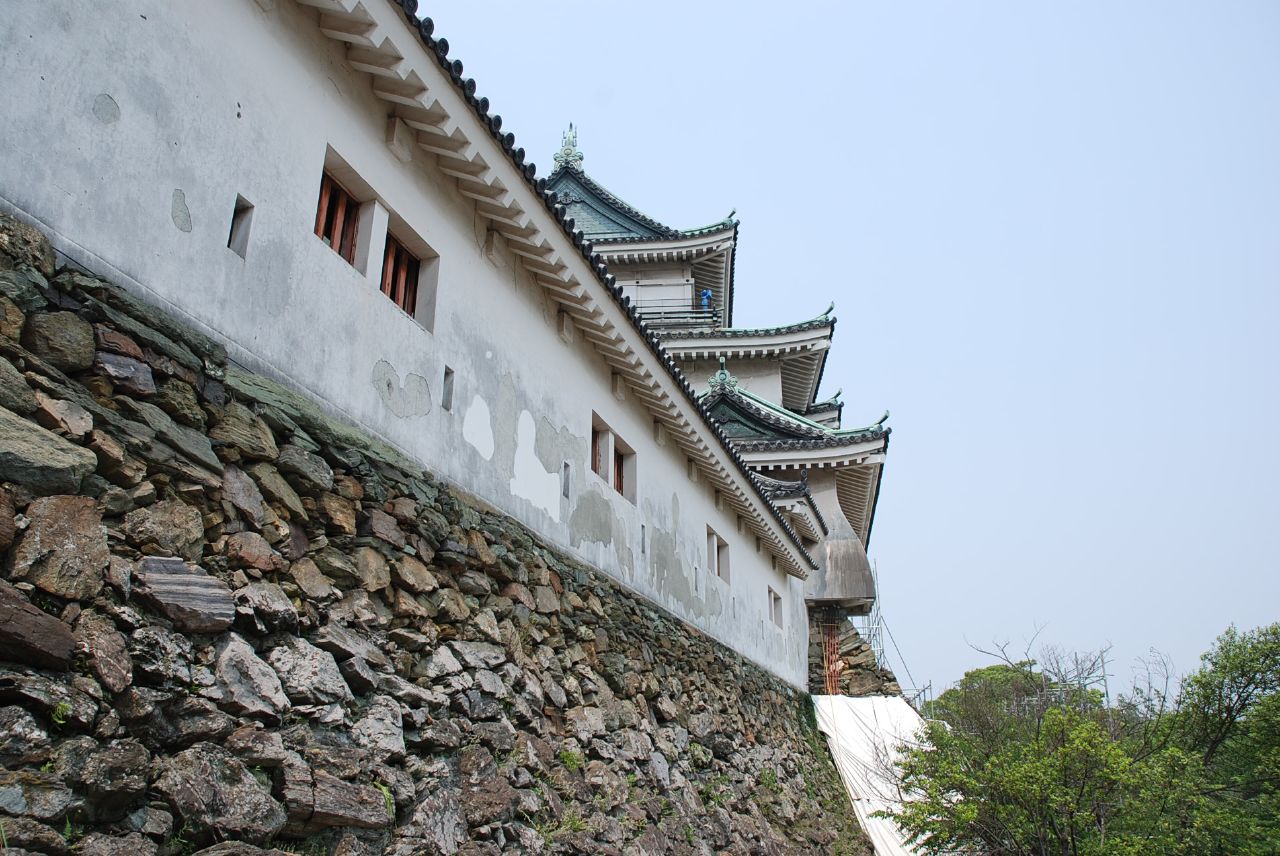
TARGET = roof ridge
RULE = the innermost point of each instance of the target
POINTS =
(613, 199)
(822, 320)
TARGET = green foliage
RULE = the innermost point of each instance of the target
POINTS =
(388, 798)
(61, 711)
(1018, 761)
(716, 790)
(769, 780)
(572, 761)
(72, 832)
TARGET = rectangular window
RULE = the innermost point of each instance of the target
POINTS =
(612, 459)
(446, 390)
(337, 218)
(566, 478)
(717, 555)
(241, 218)
(400, 275)
(775, 607)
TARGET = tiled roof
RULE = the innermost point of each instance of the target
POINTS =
(650, 229)
(425, 28)
(776, 427)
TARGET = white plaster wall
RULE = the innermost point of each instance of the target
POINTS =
(130, 129)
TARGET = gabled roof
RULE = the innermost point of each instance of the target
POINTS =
(603, 216)
(758, 424)
(774, 438)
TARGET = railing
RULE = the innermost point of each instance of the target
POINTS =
(677, 312)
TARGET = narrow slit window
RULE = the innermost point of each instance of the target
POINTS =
(775, 607)
(337, 218)
(446, 390)
(566, 478)
(717, 555)
(400, 275)
(241, 219)
(619, 471)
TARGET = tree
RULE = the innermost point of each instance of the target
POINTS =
(1026, 758)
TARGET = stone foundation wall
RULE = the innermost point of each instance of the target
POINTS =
(228, 622)
(857, 672)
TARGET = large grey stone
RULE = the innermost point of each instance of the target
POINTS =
(41, 796)
(309, 470)
(30, 635)
(160, 656)
(380, 730)
(20, 735)
(106, 649)
(309, 675)
(24, 289)
(63, 339)
(188, 441)
(171, 525)
(243, 430)
(249, 686)
(243, 493)
(112, 776)
(339, 803)
(185, 594)
(64, 548)
(213, 794)
(40, 459)
(15, 394)
(127, 374)
(277, 488)
(266, 608)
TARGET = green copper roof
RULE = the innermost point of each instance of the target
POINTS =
(601, 215)
(745, 416)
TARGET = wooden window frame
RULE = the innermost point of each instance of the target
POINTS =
(400, 270)
(337, 218)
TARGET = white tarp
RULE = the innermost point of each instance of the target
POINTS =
(864, 735)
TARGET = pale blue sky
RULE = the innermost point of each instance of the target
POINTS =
(1052, 232)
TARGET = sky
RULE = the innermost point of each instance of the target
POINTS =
(1052, 235)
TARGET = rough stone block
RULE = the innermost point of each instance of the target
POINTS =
(40, 459)
(185, 594)
(29, 635)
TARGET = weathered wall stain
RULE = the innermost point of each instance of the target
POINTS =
(413, 398)
(179, 212)
(594, 520)
(106, 110)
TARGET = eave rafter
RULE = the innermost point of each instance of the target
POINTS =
(466, 145)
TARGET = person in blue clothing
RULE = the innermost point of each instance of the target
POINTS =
(705, 294)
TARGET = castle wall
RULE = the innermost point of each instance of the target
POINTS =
(129, 133)
(228, 620)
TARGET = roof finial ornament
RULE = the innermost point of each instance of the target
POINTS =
(569, 156)
(722, 380)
